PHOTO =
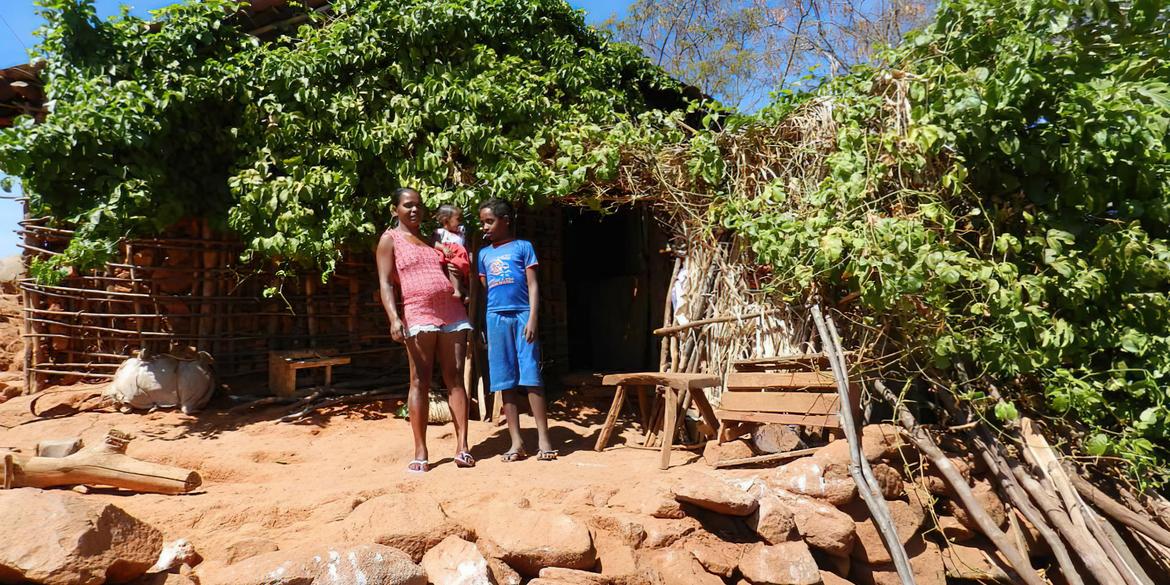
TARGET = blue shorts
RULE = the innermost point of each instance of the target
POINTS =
(512, 360)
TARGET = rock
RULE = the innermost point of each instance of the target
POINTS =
(811, 476)
(247, 548)
(987, 498)
(455, 561)
(925, 561)
(717, 557)
(661, 533)
(614, 558)
(889, 480)
(881, 441)
(775, 438)
(410, 522)
(773, 521)
(678, 566)
(787, 563)
(822, 526)
(648, 498)
(530, 540)
(870, 548)
(61, 538)
(715, 452)
(953, 530)
(573, 577)
(502, 573)
(933, 480)
(625, 526)
(364, 563)
(828, 578)
(180, 553)
(715, 495)
(977, 562)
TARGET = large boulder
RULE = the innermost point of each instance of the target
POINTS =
(880, 441)
(822, 526)
(677, 566)
(455, 561)
(773, 521)
(529, 540)
(926, 562)
(627, 527)
(372, 564)
(61, 538)
(775, 438)
(907, 517)
(410, 522)
(714, 494)
(787, 563)
(716, 452)
(988, 500)
(649, 498)
(717, 556)
(822, 478)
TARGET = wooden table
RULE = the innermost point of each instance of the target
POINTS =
(673, 386)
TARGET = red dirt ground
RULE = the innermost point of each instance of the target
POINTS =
(292, 482)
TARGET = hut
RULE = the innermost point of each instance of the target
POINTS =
(609, 280)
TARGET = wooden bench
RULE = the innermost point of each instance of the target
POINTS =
(673, 386)
(802, 394)
(283, 366)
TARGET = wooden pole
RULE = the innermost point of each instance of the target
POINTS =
(105, 464)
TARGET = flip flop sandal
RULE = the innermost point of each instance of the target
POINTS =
(513, 456)
(464, 460)
(418, 466)
(550, 455)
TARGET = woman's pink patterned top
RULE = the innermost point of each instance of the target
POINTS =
(427, 296)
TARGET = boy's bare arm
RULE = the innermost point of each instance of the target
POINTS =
(533, 304)
(389, 292)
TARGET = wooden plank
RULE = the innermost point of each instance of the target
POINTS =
(766, 458)
(789, 402)
(817, 420)
(678, 381)
(759, 380)
(670, 427)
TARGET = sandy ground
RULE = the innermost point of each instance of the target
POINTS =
(292, 483)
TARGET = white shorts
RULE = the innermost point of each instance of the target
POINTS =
(463, 325)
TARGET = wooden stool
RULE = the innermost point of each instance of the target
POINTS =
(673, 385)
(283, 366)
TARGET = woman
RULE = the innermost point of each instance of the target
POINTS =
(428, 318)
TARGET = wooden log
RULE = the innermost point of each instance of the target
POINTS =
(774, 438)
(103, 465)
(1118, 511)
(619, 397)
(925, 443)
(713, 320)
(770, 458)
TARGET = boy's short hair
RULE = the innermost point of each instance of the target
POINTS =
(445, 212)
(500, 208)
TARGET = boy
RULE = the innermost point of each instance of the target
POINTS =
(507, 269)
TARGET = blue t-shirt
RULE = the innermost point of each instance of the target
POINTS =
(502, 267)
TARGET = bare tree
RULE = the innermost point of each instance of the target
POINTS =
(740, 50)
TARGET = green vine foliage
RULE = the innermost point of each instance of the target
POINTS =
(1018, 227)
(297, 144)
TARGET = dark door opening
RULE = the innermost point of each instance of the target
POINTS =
(616, 281)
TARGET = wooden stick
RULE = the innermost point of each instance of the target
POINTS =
(867, 486)
(667, 314)
(1118, 511)
(925, 443)
(713, 320)
(997, 465)
(770, 458)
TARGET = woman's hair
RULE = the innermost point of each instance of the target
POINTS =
(399, 192)
(446, 212)
(499, 208)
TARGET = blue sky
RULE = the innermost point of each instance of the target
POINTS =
(18, 20)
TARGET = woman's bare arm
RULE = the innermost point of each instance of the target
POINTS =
(389, 291)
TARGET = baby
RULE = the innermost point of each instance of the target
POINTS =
(449, 239)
